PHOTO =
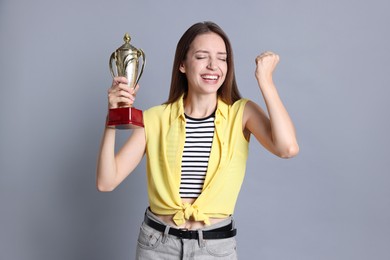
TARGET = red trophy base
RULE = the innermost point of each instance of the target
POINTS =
(125, 118)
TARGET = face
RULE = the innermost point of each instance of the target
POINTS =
(205, 65)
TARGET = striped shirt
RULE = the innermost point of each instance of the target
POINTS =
(196, 153)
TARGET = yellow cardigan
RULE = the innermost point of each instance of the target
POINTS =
(165, 137)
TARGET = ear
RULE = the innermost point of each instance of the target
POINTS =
(182, 68)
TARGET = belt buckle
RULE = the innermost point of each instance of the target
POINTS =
(183, 231)
(188, 234)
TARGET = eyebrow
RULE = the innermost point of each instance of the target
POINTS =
(204, 51)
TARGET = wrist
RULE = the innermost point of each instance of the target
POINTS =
(107, 125)
(264, 79)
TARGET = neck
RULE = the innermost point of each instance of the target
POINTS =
(200, 106)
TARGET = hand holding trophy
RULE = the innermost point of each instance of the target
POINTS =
(126, 59)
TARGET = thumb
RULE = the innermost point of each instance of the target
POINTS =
(135, 89)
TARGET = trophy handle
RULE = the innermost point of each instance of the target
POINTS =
(142, 68)
(112, 58)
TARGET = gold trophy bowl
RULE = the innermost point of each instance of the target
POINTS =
(124, 62)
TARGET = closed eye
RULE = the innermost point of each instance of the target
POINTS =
(222, 57)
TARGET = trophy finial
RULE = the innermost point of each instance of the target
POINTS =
(127, 38)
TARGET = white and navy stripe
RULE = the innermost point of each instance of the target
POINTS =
(196, 153)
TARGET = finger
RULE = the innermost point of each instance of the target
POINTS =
(118, 92)
(266, 54)
(124, 87)
(261, 56)
(119, 80)
(125, 94)
(125, 100)
(119, 87)
(135, 89)
(116, 101)
(115, 86)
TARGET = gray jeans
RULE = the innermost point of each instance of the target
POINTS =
(156, 245)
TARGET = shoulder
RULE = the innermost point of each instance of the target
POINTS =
(251, 107)
(153, 118)
(239, 105)
(234, 112)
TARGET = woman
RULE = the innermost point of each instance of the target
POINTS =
(196, 146)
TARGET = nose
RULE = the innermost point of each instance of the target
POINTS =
(212, 65)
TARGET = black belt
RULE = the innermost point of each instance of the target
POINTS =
(218, 233)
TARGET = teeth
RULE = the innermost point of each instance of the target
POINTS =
(213, 77)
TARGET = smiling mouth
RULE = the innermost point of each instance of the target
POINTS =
(210, 77)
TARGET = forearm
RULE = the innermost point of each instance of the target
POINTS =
(113, 168)
(281, 126)
(106, 167)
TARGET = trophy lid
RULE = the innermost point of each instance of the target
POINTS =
(127, 46)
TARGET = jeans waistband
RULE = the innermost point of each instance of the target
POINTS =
(223, 229)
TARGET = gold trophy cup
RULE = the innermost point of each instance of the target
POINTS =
(126, 60)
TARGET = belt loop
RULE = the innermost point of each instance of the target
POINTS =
(233, 223)
(200, 239)
(165, 235)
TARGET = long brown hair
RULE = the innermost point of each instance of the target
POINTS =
(228, 92)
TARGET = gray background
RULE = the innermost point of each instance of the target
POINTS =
(330, 202)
